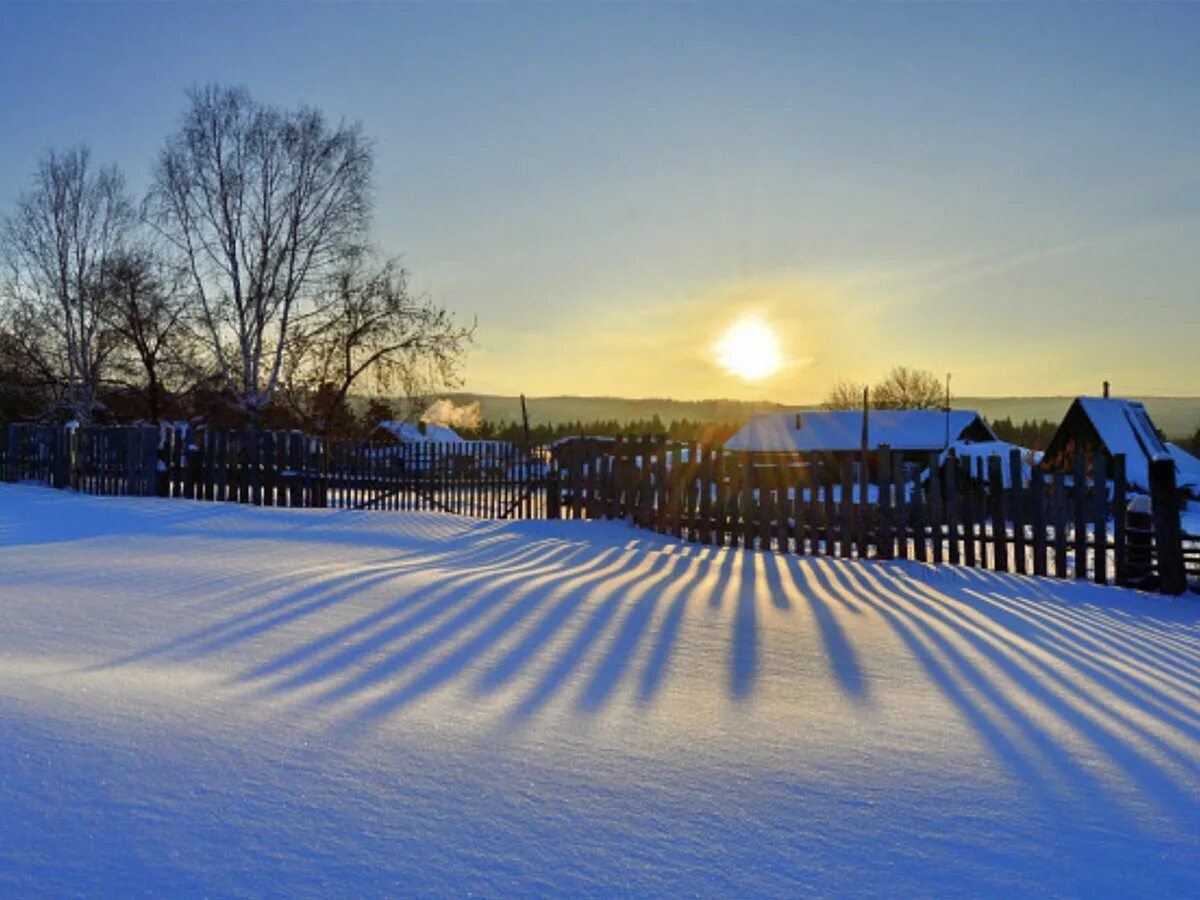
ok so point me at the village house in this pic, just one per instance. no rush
(1111, 426)
(839, 434)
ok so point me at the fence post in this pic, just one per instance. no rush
(936, 509)
(1037, 491)
(950, 499)
(1099, 520)
(1079, 483)
(1120, 512)
(62, 459)
(1058, 511)
(846, 509)
(884, 548)
(999, 515)
(1168, 534)
(1017, 508)
(296, 466)
(902, 509)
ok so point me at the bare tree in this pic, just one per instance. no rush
(262, 204)
(906, 388)
(369, 327)
(844, 394)
(146, 309)
(59, 246)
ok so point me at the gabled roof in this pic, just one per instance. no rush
(410, 433)
(841, 430)
(1123, 427)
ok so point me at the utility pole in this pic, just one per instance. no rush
(525, 423)
(947, 444)
(866, 428)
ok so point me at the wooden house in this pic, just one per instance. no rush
(1111, 426)
(838, 434)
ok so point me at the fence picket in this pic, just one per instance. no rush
(1100, 520)
(1120, 522)
(1037, 496)
(1079, 487)
(1016, 503)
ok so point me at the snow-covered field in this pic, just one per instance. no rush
(206, 699)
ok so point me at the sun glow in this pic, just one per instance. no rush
(750, 349)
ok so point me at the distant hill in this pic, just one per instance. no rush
(556, 410)
(1179, 417)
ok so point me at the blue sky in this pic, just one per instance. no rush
(1007, 192)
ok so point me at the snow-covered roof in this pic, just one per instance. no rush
(841, 430)
(1124, 427)
(410, 433)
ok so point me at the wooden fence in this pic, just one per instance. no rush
(1001, 515)
(277, 468)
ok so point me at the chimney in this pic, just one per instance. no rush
(1106, 390)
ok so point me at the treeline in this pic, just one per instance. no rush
(240, 287)
(1032, 433)
(676, 429)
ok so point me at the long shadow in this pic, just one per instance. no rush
(810, 583)
(1149, 651)
(633, 627)
(465, 609)
(668, 632)
(565, 604)
(468, 652)
(1033, 675)
(227, 632)
(951, 670)
(730, 590)
(743, 651)
(589, 632)
(1132, 680)
(294, 605)
(388, 618)
(1140, 770)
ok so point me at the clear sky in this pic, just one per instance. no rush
(1010, 193)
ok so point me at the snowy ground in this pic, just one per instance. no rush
(206, 699)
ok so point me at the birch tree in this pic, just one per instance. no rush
(261, 204)
(59, 246)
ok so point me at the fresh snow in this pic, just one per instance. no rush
(204, 699)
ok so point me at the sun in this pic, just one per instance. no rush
(750, 349)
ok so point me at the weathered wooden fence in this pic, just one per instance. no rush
(1001, 515)
(278, 468)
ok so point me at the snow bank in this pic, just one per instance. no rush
(205, 699)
